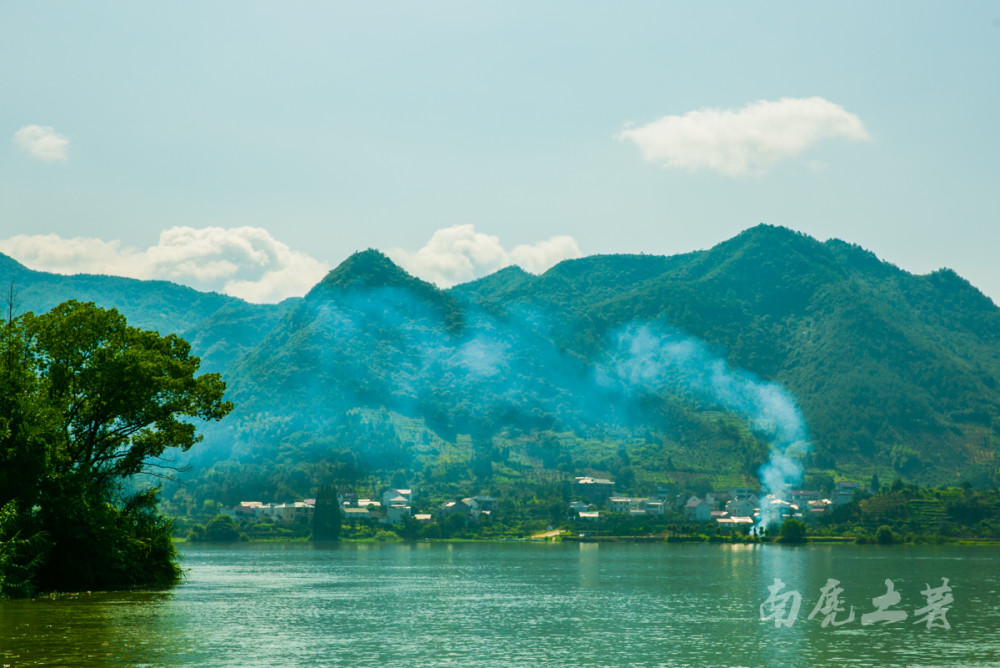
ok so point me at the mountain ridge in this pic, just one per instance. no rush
(893, 372)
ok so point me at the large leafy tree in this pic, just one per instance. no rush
(86, 403)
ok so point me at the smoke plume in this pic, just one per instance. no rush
(649, 360)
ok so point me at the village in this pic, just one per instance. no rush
(595, 499)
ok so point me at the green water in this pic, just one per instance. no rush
(513, 604)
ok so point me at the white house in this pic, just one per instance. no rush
(595, 489)
(248, 509)
(452, 507)
(729, 522)
(396, 513)
(352, 514)
(741, 507)
(579, 507)
(741, 493)
(819, 508)
(623, 504)
(651, 507)
(486, 503)
(394, 494)
(696, 509)
(843, 492)
(802, 497)
(397, 504)
(775, 506)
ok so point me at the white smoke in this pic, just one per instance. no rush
(649, 360)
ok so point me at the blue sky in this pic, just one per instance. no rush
(249, 147)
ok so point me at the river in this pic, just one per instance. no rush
(525, 604)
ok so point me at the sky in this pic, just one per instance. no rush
(249, 147)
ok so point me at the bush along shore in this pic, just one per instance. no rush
(899, 513)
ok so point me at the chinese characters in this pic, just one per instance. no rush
(782, 606)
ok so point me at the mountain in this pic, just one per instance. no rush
(644, 367)
(887, 367)
(221, 328)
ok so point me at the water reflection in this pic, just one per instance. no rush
(588, 565)
(86, 629)
(513, 604)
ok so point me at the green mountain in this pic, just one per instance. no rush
(220, 328)
(643, 367)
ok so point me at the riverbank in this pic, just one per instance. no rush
(567, 537)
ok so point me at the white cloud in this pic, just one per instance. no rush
(538, 257)
(742, 141)
(43, 143)
(245, 262)
(458, 254)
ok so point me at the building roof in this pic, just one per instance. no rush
(587, 480)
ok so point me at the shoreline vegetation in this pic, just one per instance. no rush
(86, 404)
(648, 540)
(898, 514)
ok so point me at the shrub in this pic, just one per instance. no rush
(884, 535)
(792, 531)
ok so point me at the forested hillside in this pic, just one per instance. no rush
(647, 368)
(221, 328)
(887, 367)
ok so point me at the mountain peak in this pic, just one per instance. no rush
(764, 245)
(368, 269)
(771, 235)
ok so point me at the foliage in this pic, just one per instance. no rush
(385, 536)
(19, 557)
(792, 531)
(920, 512)
(326, 514)
(884, 535)
(220, 529)
(87, 403)
(890, 370)
(490, 383)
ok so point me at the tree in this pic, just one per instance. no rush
(326, 515)
(884, 535)
(18, 556)
(222, 529)
(87, 403)
(120, 395)
(875, 485)
(792, 531)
